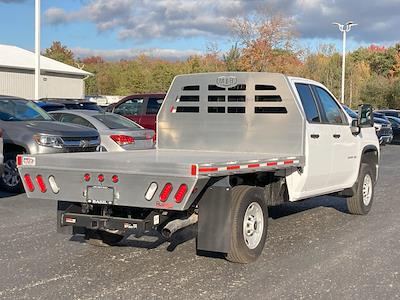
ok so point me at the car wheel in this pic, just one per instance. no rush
(10, 180)
(361, 202)
(249, 224)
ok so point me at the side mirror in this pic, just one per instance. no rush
(365, 116)
(355, 129)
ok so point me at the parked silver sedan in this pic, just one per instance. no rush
(117, 133)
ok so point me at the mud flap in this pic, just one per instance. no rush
(214, 225)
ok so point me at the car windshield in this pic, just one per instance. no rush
(21, 110)
(114, 121)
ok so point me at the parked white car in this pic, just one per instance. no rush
(117, 133)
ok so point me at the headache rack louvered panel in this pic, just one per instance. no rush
(252, 114)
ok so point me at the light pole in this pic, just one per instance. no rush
(344, 28)
(37, 48)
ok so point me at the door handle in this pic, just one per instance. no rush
(336, 136)
(314, 136)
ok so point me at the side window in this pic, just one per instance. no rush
(153, 105)
(56, 116)
(309, 105)
(333, 113)
(130, 107)
(70, 118)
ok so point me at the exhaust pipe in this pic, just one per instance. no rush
(177, 224)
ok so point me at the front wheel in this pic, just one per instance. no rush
(249, 224)
(361, 202)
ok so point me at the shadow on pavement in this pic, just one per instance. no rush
(291, 208)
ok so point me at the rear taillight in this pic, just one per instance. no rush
(29, 183)
(122, 139)
(115, 178)
(42, 185)
(166, 192)
(180, 194)
(154, 138)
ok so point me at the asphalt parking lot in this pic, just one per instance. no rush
(315, 249)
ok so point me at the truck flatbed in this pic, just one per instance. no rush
(167, 162)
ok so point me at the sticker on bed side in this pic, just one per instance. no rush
(28, 161)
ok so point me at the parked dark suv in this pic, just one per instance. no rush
(29, 129)
(141, 108)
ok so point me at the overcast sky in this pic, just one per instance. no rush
(178, 28)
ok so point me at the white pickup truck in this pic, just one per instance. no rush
(228, 146)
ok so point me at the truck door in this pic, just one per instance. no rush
(342, 141)
(318, 146)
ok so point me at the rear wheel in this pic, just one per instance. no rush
(102, 238)
(249, 224)
(10, 180)
(360, 203)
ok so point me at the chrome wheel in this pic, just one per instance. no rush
(253, 225)
(367, 189)
(10, 175)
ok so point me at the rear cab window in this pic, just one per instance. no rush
(308, 102)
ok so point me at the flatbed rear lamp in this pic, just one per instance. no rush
(180, 194)
(86, 177)
(166, 192)
(42, 185)
(115, 178)
(151, 191)
(53, 184)
(29, 183)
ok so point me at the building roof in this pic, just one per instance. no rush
(18, 58)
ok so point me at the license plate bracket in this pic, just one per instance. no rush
(100, 195)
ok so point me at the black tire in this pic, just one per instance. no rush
(242, 198)
(358, 204)
(101, 238)
(10, 180)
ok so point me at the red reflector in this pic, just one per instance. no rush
(180, 194)
(165, 192)
(233, 167)
(272, 163)
(253, 166)
(194, 170)
(115, 178)
(29, 183)
(205, 170)
(41, 183)
(288, 162)
(19, 160)
(121, 139)
(86, 177)
(100, 178)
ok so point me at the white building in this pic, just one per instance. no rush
(58, 80)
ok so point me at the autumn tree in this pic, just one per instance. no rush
(260, 34)
(60, 52)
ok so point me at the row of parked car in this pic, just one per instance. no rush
(71, 125)
(62, 126)
(386, 123)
